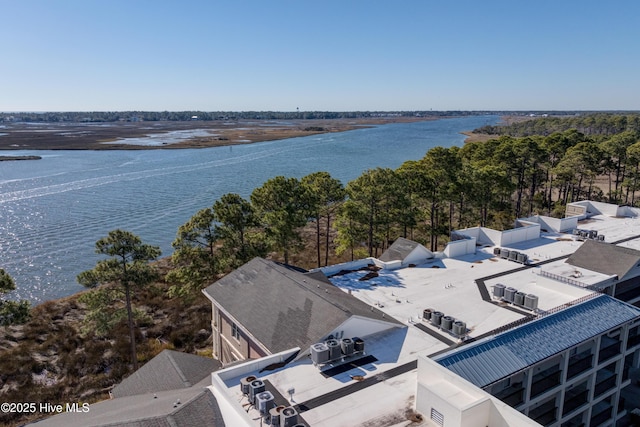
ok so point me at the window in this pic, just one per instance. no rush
(235, 331)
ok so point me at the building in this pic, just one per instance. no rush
(264, 308)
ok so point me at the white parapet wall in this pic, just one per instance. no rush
(558, 225)
(460, 247)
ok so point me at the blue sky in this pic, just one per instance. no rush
(77, 55)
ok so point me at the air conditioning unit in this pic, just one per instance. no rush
(274, 415)
(265, 402)
(319, 353)
(447, 323)
(244, 384)
(358, 344)
(459, 328)
(288, 417)
(334, 349)
(255, 387)
(347, 346)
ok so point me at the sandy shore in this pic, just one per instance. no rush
(114, 136)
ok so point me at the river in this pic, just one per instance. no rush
(53, 210)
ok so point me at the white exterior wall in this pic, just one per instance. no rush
(558, 225)
(522, 234)
(418, 255)
(460, 247)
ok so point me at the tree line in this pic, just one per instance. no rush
(595, 124)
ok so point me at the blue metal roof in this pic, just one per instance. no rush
(487, 361)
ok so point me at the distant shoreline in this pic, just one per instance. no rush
(92, 136)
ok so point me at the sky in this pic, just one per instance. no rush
(329, 55)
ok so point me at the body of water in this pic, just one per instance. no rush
(53, 210)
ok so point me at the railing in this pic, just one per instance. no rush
(601, 417)
(608, 352)
(564, 279)
(579, 363)
(575, 402)
(545, 383)
(542, 314)
(605, 385)
(512, 396)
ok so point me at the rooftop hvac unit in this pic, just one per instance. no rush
(244, 384)
(255, 387)
(576, 232)
(358, 344)
(447, 323)
(436, 318)
(319, 353)
(504, 253)
(288, 417)
(509, 293)
(426, 313)
(593, 234)
(601, 237)
(531, 301)
(347, 346)
(519, 298)
(522, 258)
(584, 234)
(274, 414)
(513, 255)
(459, 328)
(496, 251)
(334, 349)
(265, 402)
(498, 290)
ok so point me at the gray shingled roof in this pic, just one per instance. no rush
(283, 308)
(399, 250)
(605, 258)
(169, 370)
(197, 407)
(488, 361)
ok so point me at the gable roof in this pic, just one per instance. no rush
(399, 250)
(197, 407)
(283, 308)
(605, 258)
(169, 370)
(488, 361)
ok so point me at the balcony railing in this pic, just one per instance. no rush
(605, 385)
(601, 417)
(609, 351)
(543, 383)
(512, 396)
(579, 363)
(575, 401)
